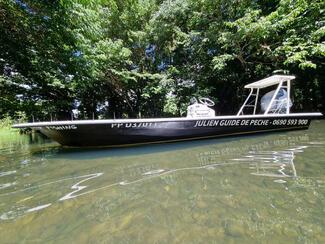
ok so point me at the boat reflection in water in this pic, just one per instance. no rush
(275, 164)
(254, 159)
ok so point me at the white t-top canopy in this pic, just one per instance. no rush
(270, 81)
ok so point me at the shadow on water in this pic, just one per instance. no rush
(87, 153)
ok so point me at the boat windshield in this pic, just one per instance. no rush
(280, 102)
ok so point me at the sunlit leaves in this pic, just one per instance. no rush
(221, 61)
(288, 36)
(148, 57)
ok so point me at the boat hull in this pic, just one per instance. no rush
(131, 132)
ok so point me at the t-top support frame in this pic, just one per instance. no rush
(282, 81)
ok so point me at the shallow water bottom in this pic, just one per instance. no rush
(265, 188)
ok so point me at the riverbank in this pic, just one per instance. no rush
(6, 123)
(7, 131)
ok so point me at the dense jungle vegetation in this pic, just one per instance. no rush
(147, 58)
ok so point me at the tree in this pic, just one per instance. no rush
(144, 58)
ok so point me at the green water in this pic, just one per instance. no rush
(265, 188)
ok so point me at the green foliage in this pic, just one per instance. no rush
(6, 122)
(143, 58)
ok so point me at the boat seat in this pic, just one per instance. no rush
(198, 110)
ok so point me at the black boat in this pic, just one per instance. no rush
(200, 122)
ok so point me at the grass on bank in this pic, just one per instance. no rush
(8, 135)
(6, 126)
(7, 121)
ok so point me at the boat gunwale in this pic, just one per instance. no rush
(148, 120)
